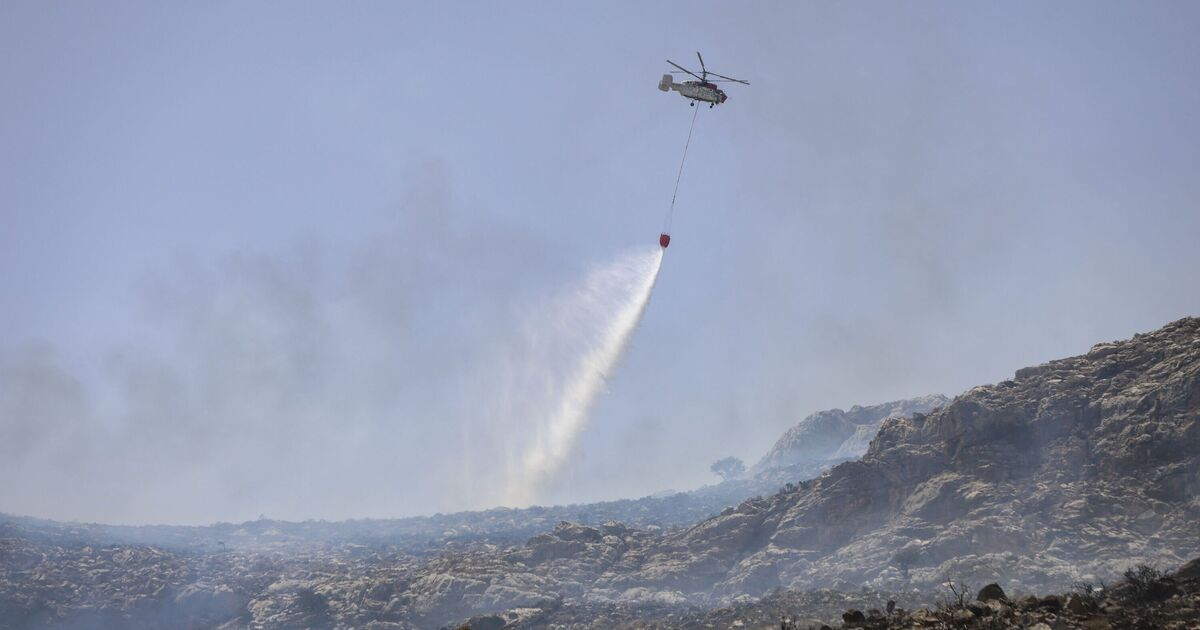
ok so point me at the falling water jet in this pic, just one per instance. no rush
(631, 281)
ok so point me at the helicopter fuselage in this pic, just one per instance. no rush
(696, 90)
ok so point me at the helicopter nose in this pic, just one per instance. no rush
(724, 97)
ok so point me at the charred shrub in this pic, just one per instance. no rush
(958, 596)
(1144, 584)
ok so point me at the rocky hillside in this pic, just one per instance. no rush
(1073, 470)
(839, 435)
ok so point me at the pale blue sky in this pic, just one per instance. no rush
(907, 199)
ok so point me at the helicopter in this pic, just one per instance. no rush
(705, 90)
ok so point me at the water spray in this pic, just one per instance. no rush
(619, 292)
(614, 298)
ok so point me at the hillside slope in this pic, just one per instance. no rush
(1075, 468)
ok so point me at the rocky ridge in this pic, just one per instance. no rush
(837, 435)
(1072, 470)
(418, 535)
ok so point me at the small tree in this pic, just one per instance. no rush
(728, 468)
(906, 558)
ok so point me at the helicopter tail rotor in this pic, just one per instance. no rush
(665, 83)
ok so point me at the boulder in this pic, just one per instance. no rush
(991, 592)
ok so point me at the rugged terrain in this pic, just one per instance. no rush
(1072, 471)
(1141, 599)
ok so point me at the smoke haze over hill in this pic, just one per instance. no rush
(275, 262)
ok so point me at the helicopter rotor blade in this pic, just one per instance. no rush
(685, 69)
(730, 78)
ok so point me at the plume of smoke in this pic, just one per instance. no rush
(600, 314)
(455, 377)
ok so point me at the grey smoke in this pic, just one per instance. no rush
(297, 384)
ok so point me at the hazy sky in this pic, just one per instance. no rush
(278, 257)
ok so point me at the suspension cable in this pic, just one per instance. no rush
(671, 211)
